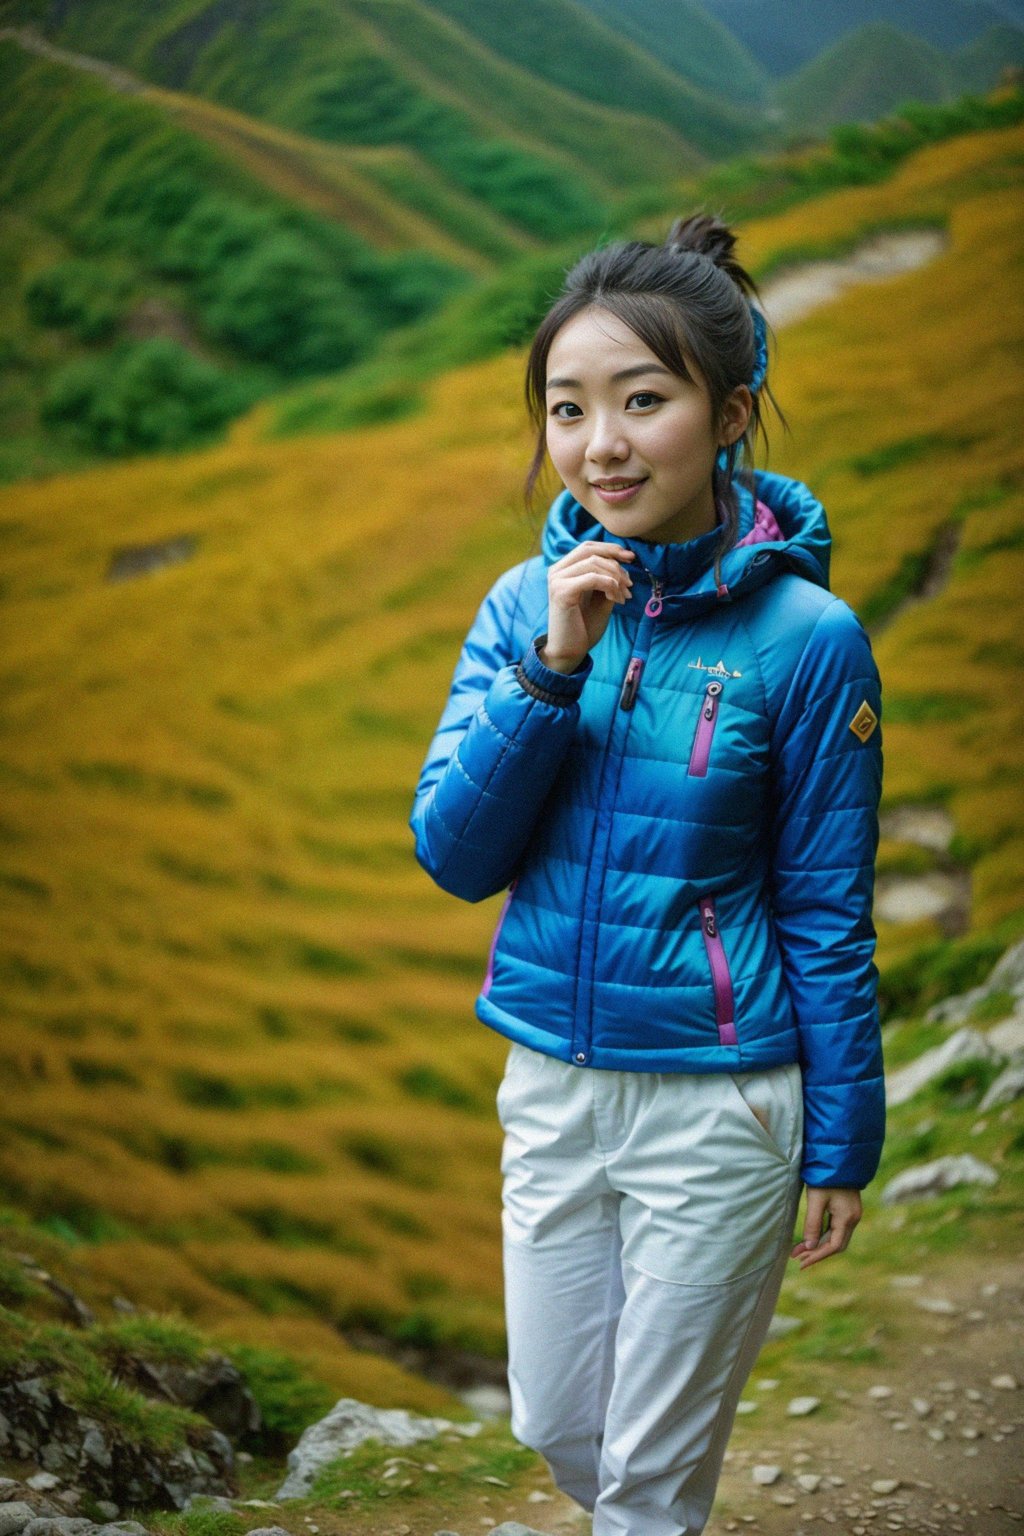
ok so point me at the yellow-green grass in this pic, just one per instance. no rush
(239, 1052)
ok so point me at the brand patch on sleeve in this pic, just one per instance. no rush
(864, 721)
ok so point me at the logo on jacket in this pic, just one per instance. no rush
(718, 670)
(864, 721)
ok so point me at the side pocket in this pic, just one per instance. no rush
(489, 977)
(721, 978)
(773, 1097)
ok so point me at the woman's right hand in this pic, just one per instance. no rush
(583, 588)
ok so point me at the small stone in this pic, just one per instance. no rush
(42, 1481)
(921, 1406)
(799, 1407)
(969, 1432)
(973, 1395)
(13, 1516)
(767, 1384)
(810, 1482)
(1005, 1383)
(945, 1386)
(885, 1485)
(538, 1496)
(936, 1434)
(783, 1498)
(941, 1306)
(746, 1406)
(879, 1392)
(108, 1509)
(764, 1474)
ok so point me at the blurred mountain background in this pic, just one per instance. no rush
(268, 268)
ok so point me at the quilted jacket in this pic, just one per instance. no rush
(687, 824)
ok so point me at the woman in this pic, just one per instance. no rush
(663, 737)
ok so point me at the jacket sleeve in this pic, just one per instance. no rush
(500, 741)
(827, 758)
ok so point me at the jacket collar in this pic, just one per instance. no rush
(782, 526)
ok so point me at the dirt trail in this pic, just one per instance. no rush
(798, 290)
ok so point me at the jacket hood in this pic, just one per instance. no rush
(782, 526)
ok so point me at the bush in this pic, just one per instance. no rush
(142, 395)
(81, 295)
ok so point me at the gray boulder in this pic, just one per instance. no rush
(964, 1045)
(1009, 1085)
(349, 1424)
(932, 1178)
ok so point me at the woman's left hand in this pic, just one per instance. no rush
(844, 1211)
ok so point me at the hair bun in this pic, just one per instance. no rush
(706, 235)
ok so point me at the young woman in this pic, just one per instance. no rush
(663, 737)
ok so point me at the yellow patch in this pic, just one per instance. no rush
(864, 721)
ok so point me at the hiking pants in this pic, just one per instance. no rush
(647, 1221)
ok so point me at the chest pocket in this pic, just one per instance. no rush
(707, 720)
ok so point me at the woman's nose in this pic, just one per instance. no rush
(606, 442)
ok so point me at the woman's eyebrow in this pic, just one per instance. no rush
(623, 373)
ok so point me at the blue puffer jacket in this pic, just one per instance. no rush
(687, 824)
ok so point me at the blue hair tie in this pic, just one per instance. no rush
(760, 350)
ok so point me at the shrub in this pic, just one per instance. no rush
(82, 295)
(141, 396)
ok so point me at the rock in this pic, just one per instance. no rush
(764, 1474)
(14, 1516)
(1008, 1035)
(799, 1407)
(885, 1485)
(538, 1496)
(921, 1406)
(1009, 1085)
(57, 1525)
(213, 1387)
(1005, 1383)
(940, 1305)
(781, 1325)
(348, 1424)
(810, 1482)
(490, 1402)
(1008, 973)
(107, 1509)
(964, 1045)
(934, 1177)
(515, 1528)
(269, 1530)
(879, 1392)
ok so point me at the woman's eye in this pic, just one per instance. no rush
(644, 398)
(566, 410)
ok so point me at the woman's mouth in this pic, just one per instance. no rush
(615, 492)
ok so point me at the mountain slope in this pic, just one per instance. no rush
(863, 76)
(786, 34)
(686, 37)
(403, 73)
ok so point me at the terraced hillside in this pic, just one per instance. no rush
(241, 1069)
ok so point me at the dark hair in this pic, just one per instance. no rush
(689, 295)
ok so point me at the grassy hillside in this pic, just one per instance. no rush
(686, 37)
(863, 76)
(623, 63)
(242, 1070)
(402, 73)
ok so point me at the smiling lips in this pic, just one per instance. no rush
(616, 491)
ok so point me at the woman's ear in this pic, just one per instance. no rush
(735, 416)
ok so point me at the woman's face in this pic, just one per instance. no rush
(634, 443)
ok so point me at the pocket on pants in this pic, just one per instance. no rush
(772, 1103)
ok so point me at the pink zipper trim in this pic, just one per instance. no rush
(631, 682)
(494, 941)
(705, 730)
(720, 977)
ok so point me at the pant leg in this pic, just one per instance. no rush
(562, 1262)
(708, 1167)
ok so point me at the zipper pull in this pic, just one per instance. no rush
(709, 921)
(631, 683)
(654, 605)
(711, 700)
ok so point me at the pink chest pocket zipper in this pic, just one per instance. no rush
(706, 723)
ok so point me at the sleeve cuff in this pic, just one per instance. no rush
(565, 687)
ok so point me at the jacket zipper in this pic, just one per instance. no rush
(705, 730)
(488, 979)
(721, 980)
(631, 681)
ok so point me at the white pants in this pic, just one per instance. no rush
(647, 1221)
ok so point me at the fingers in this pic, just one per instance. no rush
(571, 589)
(820, 1241)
